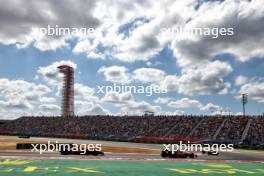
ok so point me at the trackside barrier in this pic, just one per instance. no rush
(28, 134)
(167, 139)
(5, 132)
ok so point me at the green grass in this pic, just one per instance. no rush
(124, 168)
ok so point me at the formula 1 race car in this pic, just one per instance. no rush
(177, 154)
(24, 136)
(211, 153)
(94, 153)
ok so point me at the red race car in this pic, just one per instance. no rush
(177, 154)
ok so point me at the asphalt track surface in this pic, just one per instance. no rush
(236, 155)
(113, 156)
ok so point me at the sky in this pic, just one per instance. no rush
(133, 43)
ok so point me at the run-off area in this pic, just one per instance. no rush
(14, 166)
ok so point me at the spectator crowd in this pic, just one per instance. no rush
(204, 127)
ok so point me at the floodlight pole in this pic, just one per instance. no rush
(244, 102)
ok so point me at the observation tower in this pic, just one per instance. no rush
(67, 105)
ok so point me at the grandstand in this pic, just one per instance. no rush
(233, 129)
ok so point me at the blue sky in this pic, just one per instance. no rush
(202, 75)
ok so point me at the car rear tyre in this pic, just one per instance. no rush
(164, 154)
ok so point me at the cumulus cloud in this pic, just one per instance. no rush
(128, 31)
(131, 31)
(86, 102)
(205, 79)
(18, 28)
(83, 92)
(19, 96)
(89, 47)
(47, 100)
(245, 17)
(184, 103)
(92, 109)
(147, 75)
(120, 74)
(200, 80)
(49, 107)
(161, 100)
(145, 41)
(117, 98)
(16, 104)
(115, 74)
(211, 107)
(181, 103)
(143, 38)
(126, 103)
(15, 90)
(240, 80)
(255, 91)
(138, 108)
(99, 110)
